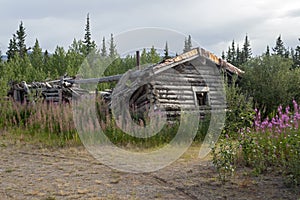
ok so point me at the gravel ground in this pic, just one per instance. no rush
(31, 172)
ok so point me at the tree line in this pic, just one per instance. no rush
(270, 78)
(239, 56)
(34, 64)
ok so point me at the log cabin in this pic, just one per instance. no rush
(192, 81)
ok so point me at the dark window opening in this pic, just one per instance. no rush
(202, 98)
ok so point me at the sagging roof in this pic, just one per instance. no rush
(192, 54)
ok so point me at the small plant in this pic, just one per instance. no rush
(224, 159)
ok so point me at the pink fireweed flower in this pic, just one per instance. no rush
(280, 110)
(270, 125)
(297, 116)
(295, 122)
(274, 121)
(287, 110)
(285, 118)
(296, 108)
(264, 124)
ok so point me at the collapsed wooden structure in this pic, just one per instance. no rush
(190, 81)
(56, 91)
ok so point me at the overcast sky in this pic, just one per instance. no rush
(212, 23)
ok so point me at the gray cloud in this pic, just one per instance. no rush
(294, 13)
(214, 24)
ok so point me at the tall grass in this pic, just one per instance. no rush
(55, 121)
(40, 119)
(163, 137)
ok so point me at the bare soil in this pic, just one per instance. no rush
(30, 171)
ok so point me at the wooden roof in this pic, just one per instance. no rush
(193, 54)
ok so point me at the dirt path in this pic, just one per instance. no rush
(28, 172)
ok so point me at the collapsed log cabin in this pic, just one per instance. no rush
(192, 81)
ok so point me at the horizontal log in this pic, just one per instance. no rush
(177, 101)
(174, 92)
(177, 78)
(172, 87)
(173, 106)
(52, 98)
(174, 96)
(216, 102)
(166, 84)
(177, 75)
(96, 80)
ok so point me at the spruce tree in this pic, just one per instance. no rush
(74, 57)
(12, 48)
(279, 48)
(103, 52)
(246, 52)
(112, 47)
(267, 51)
(185, 48)
(187, 44)
(153, 56)
(231, 54)
(89, 44)
(144, 59)
(223, 55)
(296, 56)
(58, 61)
(20, 38)
(36, 57)
(47, 65)
(37, 61)
(239, 56)
(166, 51)
(233, 51)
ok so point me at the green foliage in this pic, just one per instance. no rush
(150, 57)
(231, 54)
(17, 44)
(58, 64)
(270, 145)
(270, 81)
(88, 44)
(20, 37)
(187, 44)
(166, 52)
(296, 56)
(236, 56)
(280, 49)
(246, 52)
(112, 48)
(6, 73)
(267, 51)
(224, 156)
(103, 51)
(239, 109)
(262, 151)
(12, 48)
(37, 61)
(74, 57)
